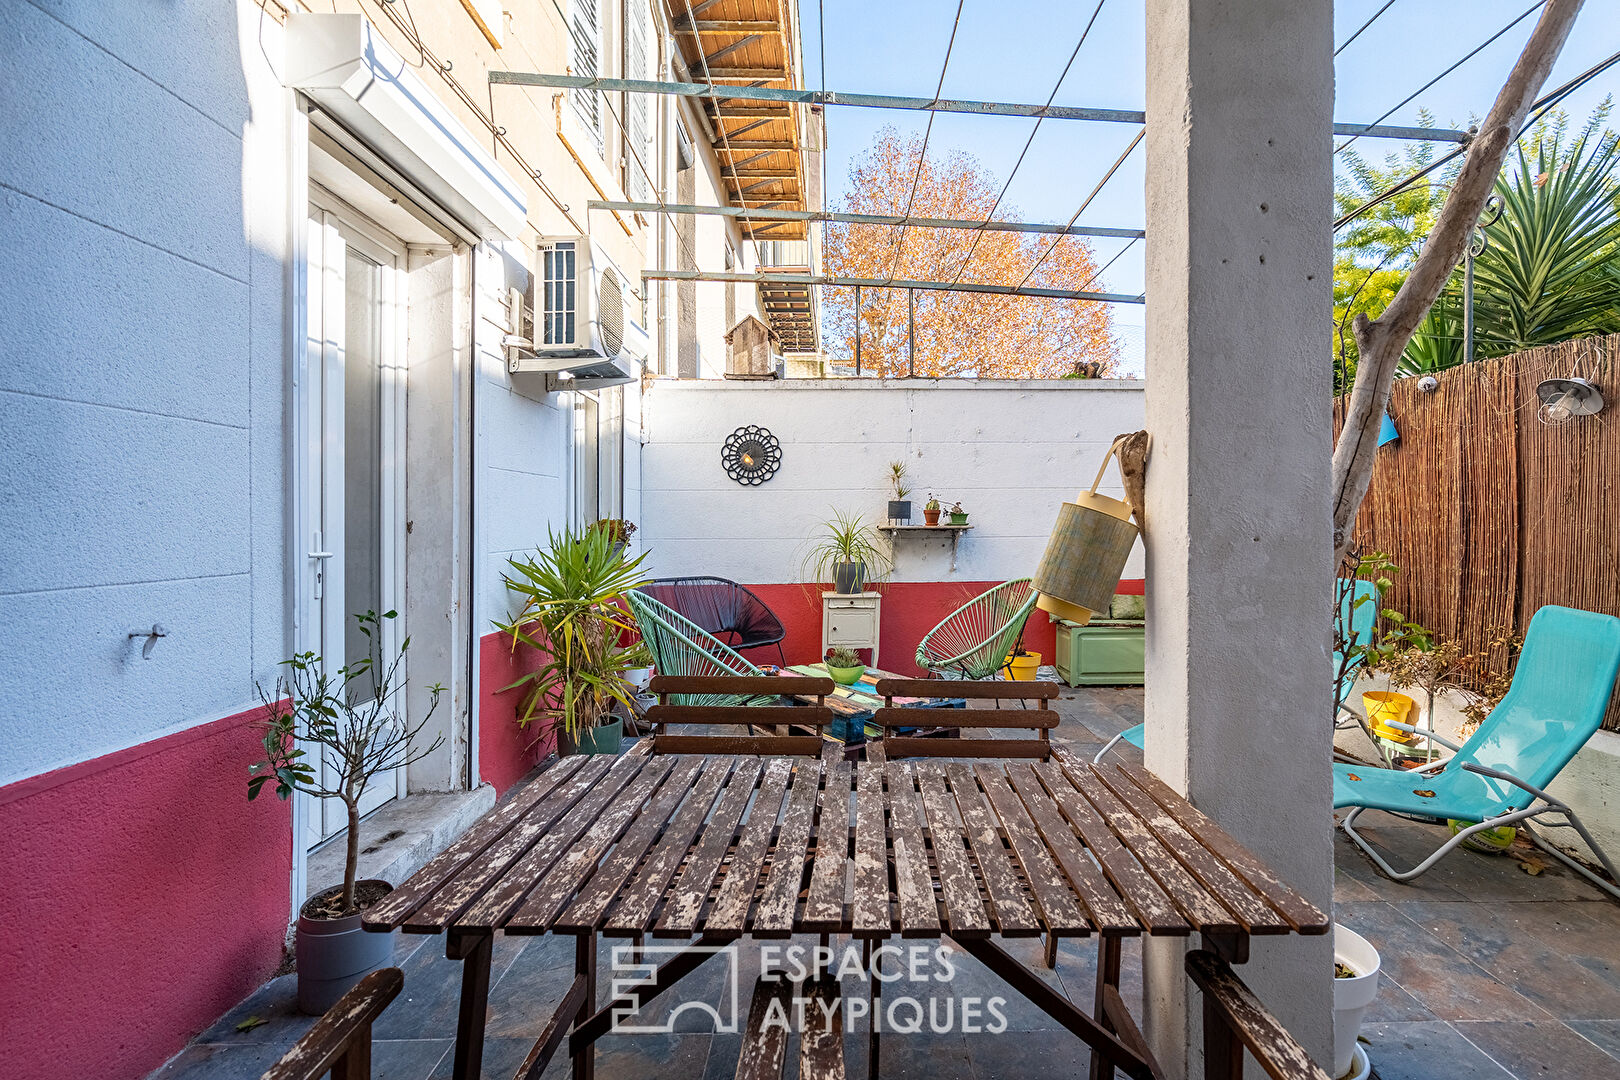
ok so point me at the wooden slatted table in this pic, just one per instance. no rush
(711, 849)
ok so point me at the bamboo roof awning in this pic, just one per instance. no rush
(749, 43)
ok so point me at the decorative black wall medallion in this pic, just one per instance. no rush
(751, 455)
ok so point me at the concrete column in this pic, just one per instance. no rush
(1239, 558)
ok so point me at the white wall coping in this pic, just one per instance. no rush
(761, 385)
(344, 65)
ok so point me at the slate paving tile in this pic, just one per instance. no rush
(1488, 936)
(1586, 934)
(1077, 967)
(1431, 1050)
(1546, 1048)
(1394, 1005)
(1445, 982)
(276, 1003)
(430, 1000)
(408, 1059)
(1399, 850)
(912, 1057)
(1028, 1054)
(1604, 1033)
(219, 1061)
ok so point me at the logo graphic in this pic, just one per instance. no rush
(635, 977)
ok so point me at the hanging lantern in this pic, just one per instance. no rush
(1084, 558)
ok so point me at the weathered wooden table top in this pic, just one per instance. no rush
(724, 847)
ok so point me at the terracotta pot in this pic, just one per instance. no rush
(930, 517)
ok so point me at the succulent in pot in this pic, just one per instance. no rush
(329, 734)
(845, 667)
(931, 510)
(958, 515)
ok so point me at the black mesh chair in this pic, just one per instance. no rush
(724, 608)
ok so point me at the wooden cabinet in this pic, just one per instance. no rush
(852, 620)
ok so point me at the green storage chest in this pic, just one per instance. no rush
(1102, 653)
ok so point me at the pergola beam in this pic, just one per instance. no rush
(836, 280)
(883, 101)
(864, 219)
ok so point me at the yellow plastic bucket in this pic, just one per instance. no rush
(1024, 666)
(1384, 706)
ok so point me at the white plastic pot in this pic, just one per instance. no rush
(1351, 997)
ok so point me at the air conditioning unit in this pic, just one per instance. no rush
(573, 325)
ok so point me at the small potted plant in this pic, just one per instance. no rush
(848, 554)
(899, 506)
(350, 718)
(573, 616)
(958, 515)
(931, 510)
(619, 531)
(844, 666)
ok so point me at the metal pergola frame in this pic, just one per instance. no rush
(839, 281)
(763, 214)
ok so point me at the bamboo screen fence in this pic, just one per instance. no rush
(1490, 513)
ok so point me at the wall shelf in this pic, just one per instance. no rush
(954, 531)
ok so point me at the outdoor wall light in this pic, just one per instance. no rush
(1086, 554)
(1428, 384)
(1564, 399)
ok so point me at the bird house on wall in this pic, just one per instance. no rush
(748, 350)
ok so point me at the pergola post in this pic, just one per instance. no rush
(1238, 539)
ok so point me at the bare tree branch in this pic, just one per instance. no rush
(1382, 341)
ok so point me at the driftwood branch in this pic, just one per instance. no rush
(1383, 340)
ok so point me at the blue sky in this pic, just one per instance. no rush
(1013, 50)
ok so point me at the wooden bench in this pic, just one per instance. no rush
(821, 1043)
(772, 719)
(1235, 1019)
(340, 1041)
(950, 722)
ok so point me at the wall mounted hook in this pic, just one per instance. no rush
(151, 637)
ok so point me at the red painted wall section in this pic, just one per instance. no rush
(144, 896)
(506, 752)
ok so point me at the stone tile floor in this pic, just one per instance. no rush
(1489, 973)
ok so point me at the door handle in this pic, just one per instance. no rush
(320, 554)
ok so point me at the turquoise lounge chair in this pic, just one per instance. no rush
(681, 647)
(1560, 691)
(973, 641)
(1360, 616)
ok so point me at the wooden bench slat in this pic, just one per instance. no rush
(740, 745)
(964, 906)
(1305, 916)
(824, 904)
(764, 1046)
(821, 1044)
(685, 902)
(966, 718)
(773, 915)
(751, 715)
(1134, 884)
(491, 909)
(1194, 901)
(458, 893)
(1060, 910)
(782, 685)
(965, 688)
(899, 746)
(1232, 1005)
(1010, 906)
(345, 1029)
(1253, 912)
(729, 915)
(392, 909)
(634, 910)
(591, 904)
(872, 915)
(562, 882)
(1107, 910)
(919, 911)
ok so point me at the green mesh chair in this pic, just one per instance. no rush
(681, 647)
(973, 641)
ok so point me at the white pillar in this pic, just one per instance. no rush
(1239, 555)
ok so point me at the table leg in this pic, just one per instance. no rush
(585, 967)
(473, 950)
(1223, 1050)
(1108, 964)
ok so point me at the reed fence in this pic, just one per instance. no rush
(1491, 513)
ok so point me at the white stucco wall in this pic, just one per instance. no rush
(140, 372)
(1011, 451)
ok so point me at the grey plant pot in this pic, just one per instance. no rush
(849, 577)
(602, 739)
(333, 955)
(900, 511)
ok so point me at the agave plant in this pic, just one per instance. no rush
(573, 615)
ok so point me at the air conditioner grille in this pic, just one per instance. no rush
(557, 294)
(612, 313)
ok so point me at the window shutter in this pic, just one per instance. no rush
(638, 121)
(586, 30)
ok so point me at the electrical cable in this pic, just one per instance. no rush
(1477, 49)
(978, 233)
(928, 131)
(1387, 5)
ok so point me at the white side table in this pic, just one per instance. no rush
(851, 620)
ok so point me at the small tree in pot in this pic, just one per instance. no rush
(900, 505)
(351, 719)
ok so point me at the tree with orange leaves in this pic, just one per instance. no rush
(957, 333)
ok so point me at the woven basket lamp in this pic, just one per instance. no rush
(1086, 555)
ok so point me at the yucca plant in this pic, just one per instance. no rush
(847, 553)
(573, 615)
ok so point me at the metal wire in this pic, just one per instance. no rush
(1387, 5)
(1109, 175)
(968, 258)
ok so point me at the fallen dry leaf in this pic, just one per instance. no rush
(250, 1023)
(1424, 792)
(1352, 776)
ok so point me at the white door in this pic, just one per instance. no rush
(355, 397)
